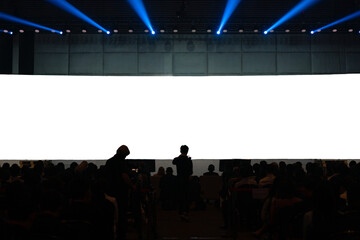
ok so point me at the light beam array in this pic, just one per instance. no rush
(303, 5)
(11, 18)
(139, 8)
(347, 18)
(64, 5)
(229, 9)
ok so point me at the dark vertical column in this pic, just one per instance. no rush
(26, 53)
(6, 53)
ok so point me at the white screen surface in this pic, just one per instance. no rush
(86, 117)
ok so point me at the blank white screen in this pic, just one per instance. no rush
(86, 117)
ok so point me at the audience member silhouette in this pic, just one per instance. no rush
(168, 189)
(160, 172)
(184, 169)
(211, 170)
(118, 185)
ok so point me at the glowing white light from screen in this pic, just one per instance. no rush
(73, 117)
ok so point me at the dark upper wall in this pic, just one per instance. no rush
(5, 54)
(175, 54)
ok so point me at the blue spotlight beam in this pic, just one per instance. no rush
(304, 4)
(6, 31)
(229, 9)
(64, 5)
(11, 18)
(139, 8)
(347, 18)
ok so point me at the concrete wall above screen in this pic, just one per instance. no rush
(196, 54)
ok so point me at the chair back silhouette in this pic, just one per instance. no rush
(211, 186)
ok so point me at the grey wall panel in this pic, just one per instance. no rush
(196, 54)
(259, 43)
(353, 62)
(226, 43)
(155, 43)
(291, 63)
(293, 43)
(224, 63)
(190, 64)
(120, 43)
(352, 43)
(84, 43)
(325, 42)
(189, 43)
(155, 63)
(120, 63)
(51, 63)
(86, 64)
(259, 63)
(325, 62)
(51, 43)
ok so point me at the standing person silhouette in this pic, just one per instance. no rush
(184, 169)
(118, 186)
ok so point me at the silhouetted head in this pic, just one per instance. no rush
(161, 171)
(123, 151)
(184, 149)
(211, 168)
(169, 170)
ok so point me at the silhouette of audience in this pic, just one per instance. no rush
(211, 170)
(184, 169)
(83, 201)
(168, 187)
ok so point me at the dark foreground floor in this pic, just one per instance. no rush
(202, 225)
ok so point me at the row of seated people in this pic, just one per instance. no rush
(319, 203)
(201, 188)
(51, 202)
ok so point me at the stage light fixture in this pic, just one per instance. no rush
(116, 31)
(193, 30)
(21, 31)
(162, 30)
(272, 30)
(146, 30)
(37, 30)
(241, 30)
(11, 18)
(287, 30)
(344, 19)
(334, 30)
(7, 31)
(175, 30)
(99, 31)
(350, 30)
(303, 30)
(68, 31)
(83, 31)
(209, 31)
(139, 8)
(265, 32)
(64, 5)
(256, 30)
(300, 7)
(229, 9)
(225, 30)
(218, 32)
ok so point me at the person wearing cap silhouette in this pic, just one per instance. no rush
(118, 186)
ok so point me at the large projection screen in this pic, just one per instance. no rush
(248, 117)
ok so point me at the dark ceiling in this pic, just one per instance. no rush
(181, 14)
